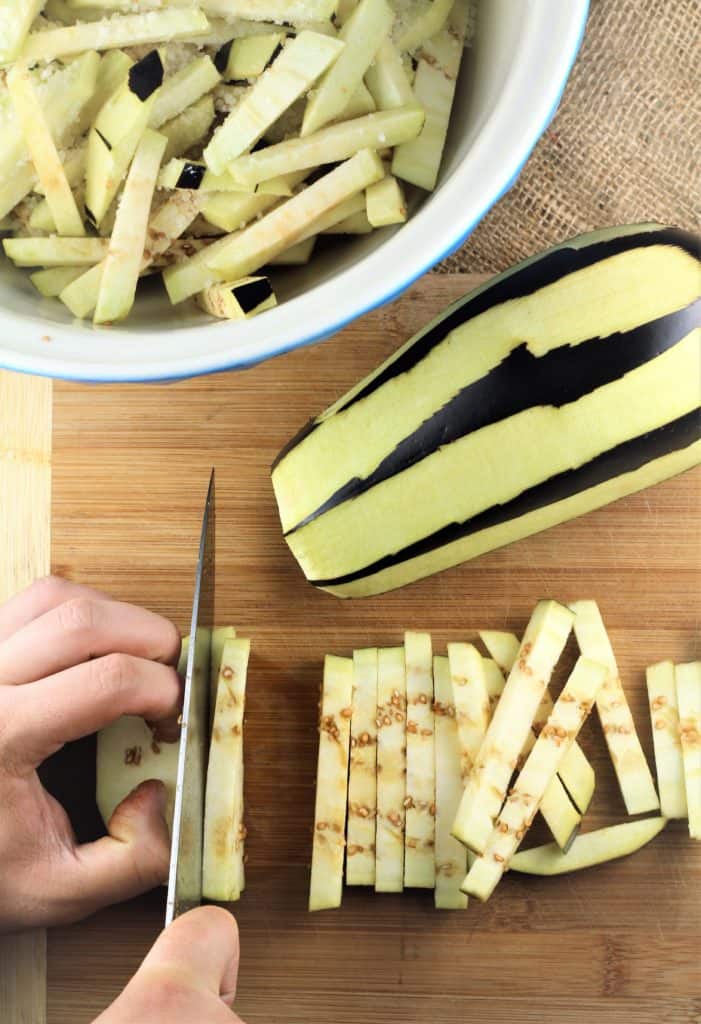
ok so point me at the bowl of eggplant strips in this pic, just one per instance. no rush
(172, 172)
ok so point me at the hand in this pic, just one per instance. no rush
(189, 977)
(71, 662)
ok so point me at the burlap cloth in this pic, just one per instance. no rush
(625, 145)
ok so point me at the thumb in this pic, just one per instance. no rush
(133, 858)
(187, 977)
(201, 948)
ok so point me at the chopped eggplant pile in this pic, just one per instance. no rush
(432, 769)
(211, 141)
(565, 383)
(128, 754)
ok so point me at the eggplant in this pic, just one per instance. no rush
(362, 774)
(223, 871)
(528, 791)
(361, 36)
(617, 723)
(120, 274)
(17, 17)
(420, 821)
(666, 738)
(240, 60)
(113, 32)
(563, 384)
(451, 856)
(391, 770)
(243, 253)
(688, 683)
(117, 132)
(590, 849)
(238, 300)
(329, 847)
(290, 76)
(510, 725)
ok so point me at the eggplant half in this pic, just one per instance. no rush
(567, 382)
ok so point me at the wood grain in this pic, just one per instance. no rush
(25, 480)
(25, 543)
(616, 944)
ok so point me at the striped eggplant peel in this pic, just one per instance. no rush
(565, 383)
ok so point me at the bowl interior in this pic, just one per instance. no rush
(351, 275)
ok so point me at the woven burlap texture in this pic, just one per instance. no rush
(625, 145)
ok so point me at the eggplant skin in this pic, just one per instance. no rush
(560, 377)
(626, 458)
(146, 76)
(521, 280)
(569, 381)
(252, 294)
(191, 176)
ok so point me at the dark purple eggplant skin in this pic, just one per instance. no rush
(252, 294)
(520, 382)
(147, 75)
(191, 176)
(624, 458)
(525, 280)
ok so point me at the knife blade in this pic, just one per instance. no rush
(185, 876)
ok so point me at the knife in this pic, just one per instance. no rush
(185, 876)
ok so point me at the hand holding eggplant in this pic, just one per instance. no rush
(71, 661)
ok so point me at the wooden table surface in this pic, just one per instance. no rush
(619, 943)
(25, 553)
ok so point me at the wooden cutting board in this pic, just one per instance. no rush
(616, 944)
(25, 553)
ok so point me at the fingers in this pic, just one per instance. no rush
(132, 859)
(201, 946)
(82, 628)
(39, 719)
(39, 598)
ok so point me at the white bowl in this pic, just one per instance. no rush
(510, 86)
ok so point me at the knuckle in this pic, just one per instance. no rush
(172, 640)
(115, 673)
(49, 589)
(15, 753)
(77, 615)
